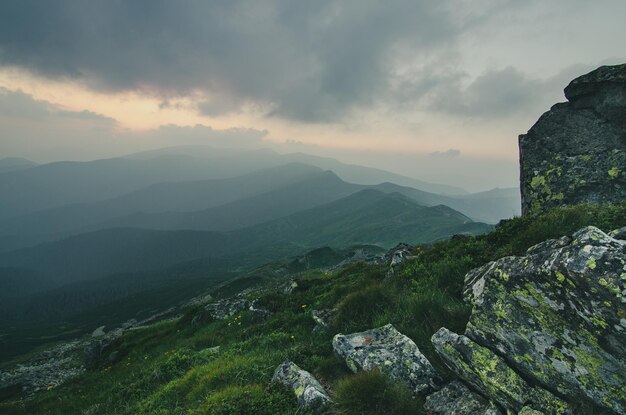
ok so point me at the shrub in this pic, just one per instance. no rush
(358, 310)
(374, 393)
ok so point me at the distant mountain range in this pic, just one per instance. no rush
(110, 239)
(365, 217)
(15, 163)
(214, 204)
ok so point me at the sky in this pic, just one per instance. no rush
(437, 90)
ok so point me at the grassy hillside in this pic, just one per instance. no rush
(171, 368)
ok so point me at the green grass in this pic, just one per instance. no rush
(166, 369)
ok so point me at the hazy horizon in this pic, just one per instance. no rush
(438, 92)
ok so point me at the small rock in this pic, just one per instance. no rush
(226, 308)
(456, 399)
(290, 287)
(322, 318)
(258, 313)
(309, 392)
(389, 351)
(489, 374)
(210, 351)
(99, 332)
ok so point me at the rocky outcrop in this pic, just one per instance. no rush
(456, 399)
(576, 152)
(391, 352)
(310, 393)
(489, 373)
(229, 307)
(550, 323)
(558, 314)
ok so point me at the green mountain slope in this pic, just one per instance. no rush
(368, 216)
(175, 367)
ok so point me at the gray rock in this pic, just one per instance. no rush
(99, 332)
(322, 318)
(222, 309)
(97, 348)
(45, 370)
(576, 152)
(396, 256)
(290, 287)
(258, 313)
(309, 392)
(490, 374)
(389, 351)
(619, 233)
(456, 399)
(558, 315)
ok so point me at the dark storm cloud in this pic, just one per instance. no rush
(308, 61)
(497, 93)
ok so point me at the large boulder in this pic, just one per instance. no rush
(456, 399)
(309, 392)
(391, 352)
(558, 315)
(490, 374)
(576, 152)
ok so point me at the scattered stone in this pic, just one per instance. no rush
(47, 370)
(99, 332)
(309, 392)
(456, 399)
(322, 318)
(576, 152)
(489, 374)
(389, 351)
(97, 348)
(290, 287)
(227, 308)
(396, 256)
(558, 316)
(210, 351)
(258, 313)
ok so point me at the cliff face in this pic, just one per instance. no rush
(576, 152)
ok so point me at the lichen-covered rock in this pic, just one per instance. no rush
(322, 318)
(389, 351)
(396, 256)
(619, 233)
(309, 392)
(576, 152)
(529, 411)
(558, 314)
(490, 374)
(456, 399)
(228, 307)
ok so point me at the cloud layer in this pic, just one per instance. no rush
(301, 60)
